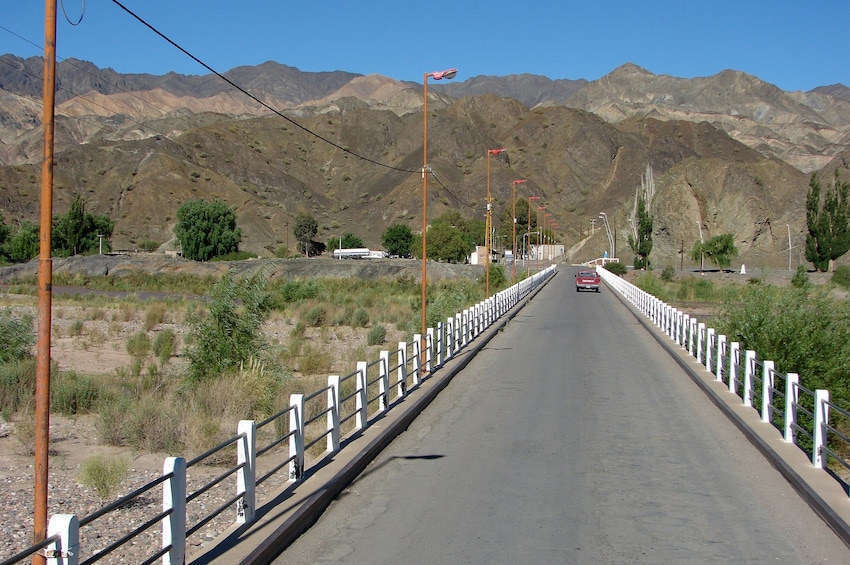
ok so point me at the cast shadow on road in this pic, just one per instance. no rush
(373, 468)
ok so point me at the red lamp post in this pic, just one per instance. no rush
(488, 224)
(447, 74)
(513, 186)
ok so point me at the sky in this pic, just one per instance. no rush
(793, 44)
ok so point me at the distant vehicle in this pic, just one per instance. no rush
(352, 253)
(587, 280)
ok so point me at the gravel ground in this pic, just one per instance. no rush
(67, 496)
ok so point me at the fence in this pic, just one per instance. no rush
(346, 405)
(804, 417)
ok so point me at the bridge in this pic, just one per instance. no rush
(572, 427)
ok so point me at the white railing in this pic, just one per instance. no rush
(804, 417)
(345, 406)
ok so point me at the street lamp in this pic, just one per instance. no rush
(604, 217)
(528, 243)
(539, 235)
(488, 241)
(439, 75)
(701, 244)
(546, 222)
(513, 186)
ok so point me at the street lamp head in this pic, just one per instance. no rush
(495, 151)
(519, 181)
(439, 75)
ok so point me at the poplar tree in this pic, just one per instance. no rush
(827, 219)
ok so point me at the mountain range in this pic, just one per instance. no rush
(729, 152)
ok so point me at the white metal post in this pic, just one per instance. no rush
(749, 369)
(792, 397)
(721, 349)
(66, 551)
(174, 503)
(362, 400)
(296, 437)
(429, 351)
(700, 329)
(402, 368)
(709, 346)
(246, 477)
(734, 360)
(821, 420)
(767, 381)
(417, 358)
(383, 381)
(333, 414)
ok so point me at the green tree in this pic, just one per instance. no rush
(827, 221)
(24, 244)
(79, 231)
(347, 241)
(720, 250)
(207, 229)
(305, 230)
(231, 332)
(446, 243)
(642, 245)
(397, 240)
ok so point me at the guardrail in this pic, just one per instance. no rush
(804, 417)
(347, 405)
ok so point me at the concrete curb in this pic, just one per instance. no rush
(312, 508)
(812, 495)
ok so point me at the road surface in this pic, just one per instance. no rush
(573, 438)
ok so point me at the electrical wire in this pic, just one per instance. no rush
(257, 100)
(82, 13)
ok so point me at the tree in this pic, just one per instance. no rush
(305, 230)
(827, 221)
(397, 240)
(719, 250)
(347, 241)
(207, 229)
(642, 244)
(79, 231)
(446, 243)
(24, 245)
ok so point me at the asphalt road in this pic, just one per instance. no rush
(573, 438)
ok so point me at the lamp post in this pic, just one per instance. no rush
(546, 223)
(528, 265)
(701, 243)
(488, 240)
(789, 245)
(604, 217)
(513, 186)
(539, 235)
(439, 75)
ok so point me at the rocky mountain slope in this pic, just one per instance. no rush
(730, 152)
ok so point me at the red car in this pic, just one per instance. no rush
(587, 280)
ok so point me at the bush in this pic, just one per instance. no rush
(841, 276)
(618, 269)
(360, 319)
(668, 273)
(164, 345)
(16, 337)
(801, 278)
(103, 474)
(17, 386)
(72, 393)
(316, 316)
(377, 335)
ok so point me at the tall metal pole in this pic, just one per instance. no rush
(789, 246)
(45, 281)
(514, 250)
(488, 224)
(424, 209)
(448, 74)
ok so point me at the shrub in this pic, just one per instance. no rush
(17, 385)
(164, 345)
(668, 273)
(801, 278)
(72, 393)
(841, 276)
(231, 331)
(314, 360)
(103, 474)
(16, 337)
(316, 316)
(360, 319)
(618, 269)
(376, 335)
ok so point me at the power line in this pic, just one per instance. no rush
(255, 99)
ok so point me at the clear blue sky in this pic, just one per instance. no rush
(794, 44)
